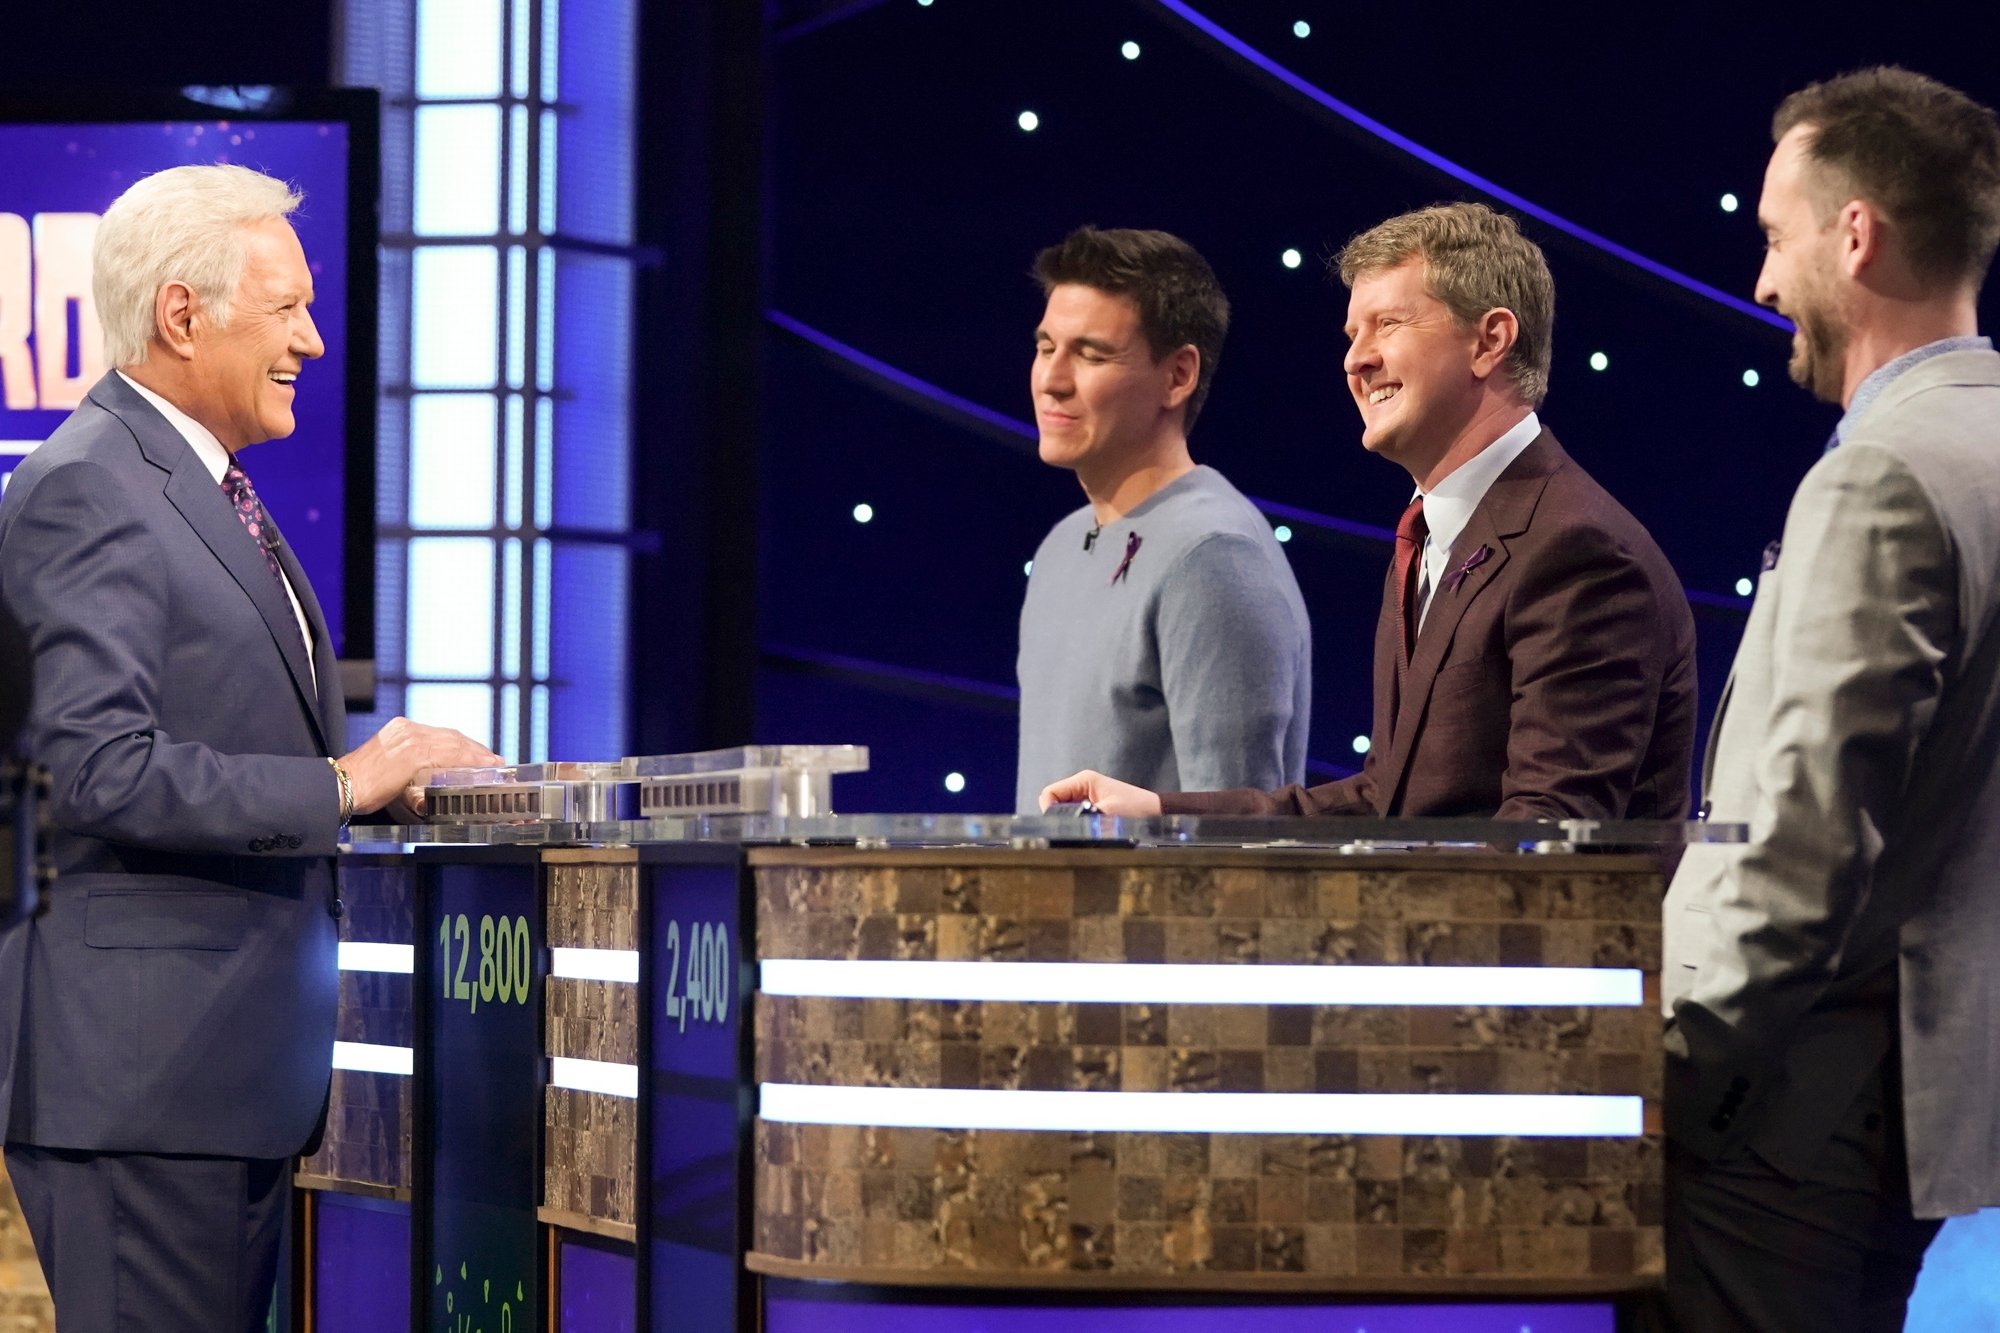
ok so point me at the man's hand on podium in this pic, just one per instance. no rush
(1106, 795)
(394, 764)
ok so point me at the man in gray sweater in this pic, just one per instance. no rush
(1163, 638)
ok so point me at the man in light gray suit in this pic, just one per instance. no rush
(167, 1016)
(1833, 986)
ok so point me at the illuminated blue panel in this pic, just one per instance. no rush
(545, 319)
(587, 677)
(455, 316)
(545, 462)
(517, 315)
(595, 137)
(514, 443)
(552, 21)
(539, 642)
(458, 48)
(592, 419)
(517, 74)
(510, 607)
(452, 457)
(458, 171)
(517, 152)
(451, 607)
(546, 214)
(510, 724)
(467, 708)
(392, 366)
(508, 457)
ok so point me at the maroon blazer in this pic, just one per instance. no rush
(1556, 680)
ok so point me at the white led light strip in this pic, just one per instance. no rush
(1528, 1115)
(595, 964)
(1200, 983)
(594, 1076)
(377, 957)
(368, 1058)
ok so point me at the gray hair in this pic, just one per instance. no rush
(184, 224)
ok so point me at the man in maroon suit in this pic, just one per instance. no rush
(1535, 653)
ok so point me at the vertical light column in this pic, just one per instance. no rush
(503, 513)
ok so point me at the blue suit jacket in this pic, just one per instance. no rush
(175, 994)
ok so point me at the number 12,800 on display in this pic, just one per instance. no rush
(504, 970)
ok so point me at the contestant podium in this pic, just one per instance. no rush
(786, 1072)
(1470, 1107)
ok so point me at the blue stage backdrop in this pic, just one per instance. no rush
(922, 153)
(58, 180)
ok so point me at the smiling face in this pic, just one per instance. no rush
(241, 376)
(1102, 400)
(1409, 366)
(1799, 277)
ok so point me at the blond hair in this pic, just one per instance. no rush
(1475, 260)
(184, 224)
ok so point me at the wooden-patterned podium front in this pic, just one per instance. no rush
(1230, 1208)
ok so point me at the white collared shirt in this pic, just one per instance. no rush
(216, 459)
(1448, 506)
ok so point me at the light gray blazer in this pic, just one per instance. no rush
(1859, 737)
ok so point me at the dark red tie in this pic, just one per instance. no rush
(1410, 533)
(243, 499)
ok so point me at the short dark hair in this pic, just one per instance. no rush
(1180, 302)
(1926, 154)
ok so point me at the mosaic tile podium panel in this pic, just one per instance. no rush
(1235, 1208)
(366, 1147)
(590, 1139)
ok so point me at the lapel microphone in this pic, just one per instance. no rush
(1090, 538)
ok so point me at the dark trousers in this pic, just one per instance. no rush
(1753, 1249)
(133, 1243)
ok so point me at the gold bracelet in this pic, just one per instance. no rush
(346, 792)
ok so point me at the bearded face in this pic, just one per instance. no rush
(1819, 342)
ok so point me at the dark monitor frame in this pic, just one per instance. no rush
(359, 109)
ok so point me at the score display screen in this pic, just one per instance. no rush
(59, 179)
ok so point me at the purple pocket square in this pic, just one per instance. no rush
(1472, 562)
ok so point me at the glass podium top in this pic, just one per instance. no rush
(877, 832)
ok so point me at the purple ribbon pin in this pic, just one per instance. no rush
(1131, 549)
(1472, 562)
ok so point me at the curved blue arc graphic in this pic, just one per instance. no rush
(1208, 27)
(902, 379)
(951, 405)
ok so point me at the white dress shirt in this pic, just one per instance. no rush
(216, 459)
(1448, 506)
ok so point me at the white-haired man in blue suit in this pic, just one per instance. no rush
(168, 1015)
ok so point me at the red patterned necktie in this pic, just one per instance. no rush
(243, 499)
(1410, 533)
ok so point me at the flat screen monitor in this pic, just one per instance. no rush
(63, 159)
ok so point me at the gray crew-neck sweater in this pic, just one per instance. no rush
(1192, 671)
